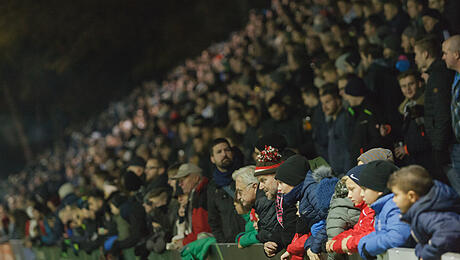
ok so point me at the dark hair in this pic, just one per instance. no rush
(216, 142)
(374, 20)
(408, 73)
(374, 50)
(330, 89)
(275, 101)
(429, 44)
(97, 194)
(161, 162)
(311, 91)
(248, 108)
(395, 3)
(412, 177)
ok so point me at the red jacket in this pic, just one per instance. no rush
(199, 211)
(296, 247)
(364, 226)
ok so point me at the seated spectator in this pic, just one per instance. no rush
(390, 231)
(431, 208)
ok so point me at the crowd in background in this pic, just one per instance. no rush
(258, 138)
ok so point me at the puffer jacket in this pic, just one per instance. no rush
(390, 231)
(435, 222)
(266, 211)
(319, 195)
(342, 213)
(364, 226)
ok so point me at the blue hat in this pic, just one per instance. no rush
(355, 172)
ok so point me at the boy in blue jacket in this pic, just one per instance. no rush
(432, 208)
(389, 231)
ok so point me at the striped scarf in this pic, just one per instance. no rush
(279, 208)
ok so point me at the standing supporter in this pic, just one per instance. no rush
(362, 119)
(225, 223)
(336, 118)
(416, 147)
(451, 55)
(437, 116)
(195, 187)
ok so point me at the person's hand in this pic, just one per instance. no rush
(329, 246)
(312, 256)
(344, 245)
(179, 244)
(285, 256)
(270, 248)
(400, 152)
(156, 225)
(384, 130)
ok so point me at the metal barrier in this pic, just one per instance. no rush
(221, 251)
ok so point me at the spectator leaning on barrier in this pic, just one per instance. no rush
(431, 208)
(389, 231)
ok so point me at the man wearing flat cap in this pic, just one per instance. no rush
(195, 185)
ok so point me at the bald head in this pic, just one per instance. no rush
(451, 52)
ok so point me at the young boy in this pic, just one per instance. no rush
(431, 207)
(347, 241)
(389, 231)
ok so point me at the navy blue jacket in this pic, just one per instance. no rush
(390, 231)
(435, 222)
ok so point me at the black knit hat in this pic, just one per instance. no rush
(375, 175)
(356, 87)
(132, 182)
(137, 161)
(293, 170)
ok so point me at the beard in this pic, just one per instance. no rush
(271, 195)
(226, 163)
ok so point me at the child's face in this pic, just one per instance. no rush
(402, 199)
(370, 196)
(354, 191)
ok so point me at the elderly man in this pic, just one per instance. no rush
(451, 55)
(195, 186)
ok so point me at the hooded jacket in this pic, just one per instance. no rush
(435, 222)
(390, 231)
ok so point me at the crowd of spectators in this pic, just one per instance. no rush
(258, 138)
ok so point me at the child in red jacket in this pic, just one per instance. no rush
(347, 241)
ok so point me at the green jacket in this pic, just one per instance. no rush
(248, 237)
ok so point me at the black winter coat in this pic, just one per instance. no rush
(437, 105)
(266, 211)
(223, 219)
(362, 131)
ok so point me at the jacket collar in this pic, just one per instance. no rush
(377, 206)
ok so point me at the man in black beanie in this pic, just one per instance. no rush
(292, 172)
(362, 119)
(389, 232)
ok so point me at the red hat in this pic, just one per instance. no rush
(267, 161)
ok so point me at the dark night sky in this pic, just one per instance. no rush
(63, 61)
